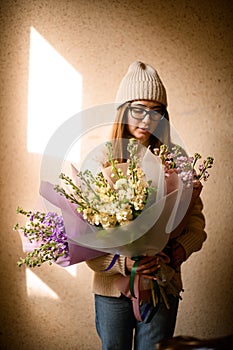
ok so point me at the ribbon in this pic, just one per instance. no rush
(112, 263)
(130, 287)
(132, 275)
(150, 309)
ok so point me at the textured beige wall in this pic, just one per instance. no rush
(190, 43)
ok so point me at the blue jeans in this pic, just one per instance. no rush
(118, 329)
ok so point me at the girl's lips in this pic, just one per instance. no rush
(144, 131)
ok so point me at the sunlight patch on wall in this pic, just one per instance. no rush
(36, 287)
(54, 92)
(72, 270)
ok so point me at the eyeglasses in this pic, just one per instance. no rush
(140, 113)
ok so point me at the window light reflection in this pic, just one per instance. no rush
(54, 92)
(36, 287)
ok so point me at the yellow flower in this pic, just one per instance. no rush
(107, 221)
(124, 215)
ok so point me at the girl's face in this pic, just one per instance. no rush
(142, 124)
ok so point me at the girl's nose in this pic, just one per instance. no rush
(146, 120)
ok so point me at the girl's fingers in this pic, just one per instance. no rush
(149, 277)
(148, 267)
(149, 271)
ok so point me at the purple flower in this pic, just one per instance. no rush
(48, 229)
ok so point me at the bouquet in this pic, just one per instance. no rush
(127, 208)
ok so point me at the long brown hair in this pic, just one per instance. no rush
(120, 131)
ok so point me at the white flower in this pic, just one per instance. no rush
(115, 203)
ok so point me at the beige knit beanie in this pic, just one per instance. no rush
(141, 82)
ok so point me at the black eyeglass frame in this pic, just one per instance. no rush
(147, 111)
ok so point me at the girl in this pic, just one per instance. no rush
(141, 114)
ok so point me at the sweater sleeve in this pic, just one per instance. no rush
(194, 235)
(100, 264)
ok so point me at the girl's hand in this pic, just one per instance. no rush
(147, 266)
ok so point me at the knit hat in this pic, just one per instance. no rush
(141, 82)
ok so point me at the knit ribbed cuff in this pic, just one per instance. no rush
(192, 242)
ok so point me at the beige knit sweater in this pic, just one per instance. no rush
(191, 238)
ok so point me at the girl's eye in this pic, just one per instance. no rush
(138, 111)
